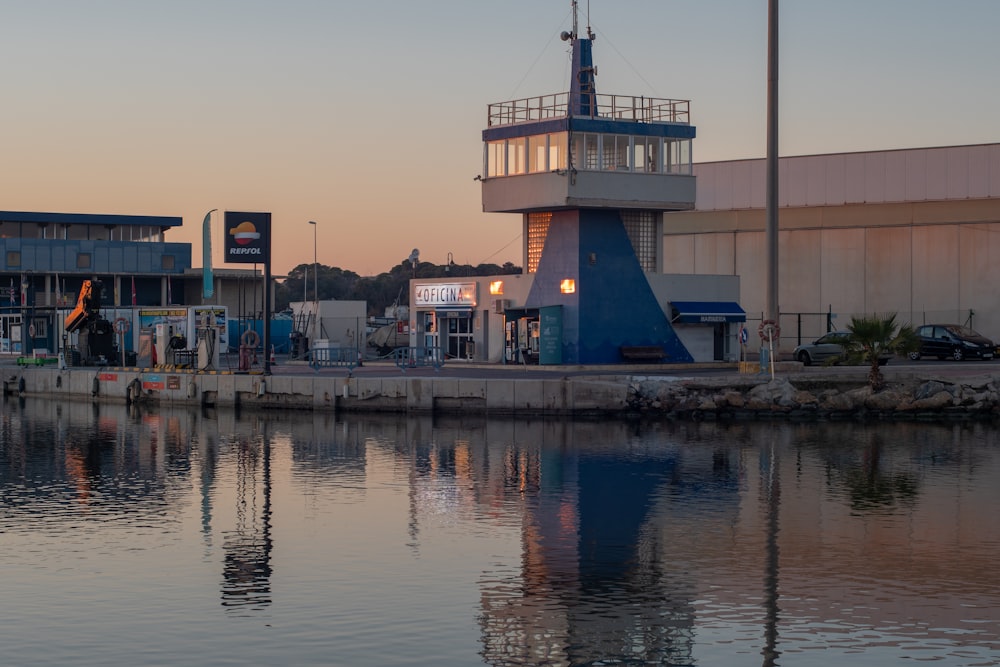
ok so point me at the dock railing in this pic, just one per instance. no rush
(418, 357)
(335, 357)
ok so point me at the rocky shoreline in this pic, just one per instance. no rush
(813, 398)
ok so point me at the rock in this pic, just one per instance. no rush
(733, 399)
(788, 398)
(887, 400)
(935, 402)
(805, 399)
(836, 401)
(928, 389)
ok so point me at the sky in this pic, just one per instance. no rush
(366, 117)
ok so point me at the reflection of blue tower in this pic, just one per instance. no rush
(592, 175)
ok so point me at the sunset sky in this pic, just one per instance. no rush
(367, 116)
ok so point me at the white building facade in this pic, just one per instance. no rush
(914, 232)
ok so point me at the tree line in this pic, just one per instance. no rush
(381, 291)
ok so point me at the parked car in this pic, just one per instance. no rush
(952, 341)
(828, 348)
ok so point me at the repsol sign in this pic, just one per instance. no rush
(248, 238)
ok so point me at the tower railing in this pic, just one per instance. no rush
(635, 108)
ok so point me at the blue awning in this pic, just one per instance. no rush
(706, 312)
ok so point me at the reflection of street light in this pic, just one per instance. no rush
(315, 265)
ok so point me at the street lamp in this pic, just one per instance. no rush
(315, 264)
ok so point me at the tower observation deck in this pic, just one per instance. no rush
(582, 148)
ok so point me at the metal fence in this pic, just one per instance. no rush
(335, 357)
(417, 357)
(799, 328)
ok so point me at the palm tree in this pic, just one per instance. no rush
(875, 337)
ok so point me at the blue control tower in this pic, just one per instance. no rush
(592, 175)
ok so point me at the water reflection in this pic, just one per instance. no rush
(673, 544)
(247, 546)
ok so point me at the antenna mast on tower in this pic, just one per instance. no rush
(576, 26)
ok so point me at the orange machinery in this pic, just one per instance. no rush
(87, 306)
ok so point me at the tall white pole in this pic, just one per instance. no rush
(771, 230)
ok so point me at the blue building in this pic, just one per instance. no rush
(592, 175)
(47, 256)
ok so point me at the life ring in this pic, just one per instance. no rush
(122, 325)
(31, 330)
(250, 338)
(769, 329)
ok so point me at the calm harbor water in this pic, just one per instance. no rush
(175, 536)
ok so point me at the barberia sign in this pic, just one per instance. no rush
(445, 294)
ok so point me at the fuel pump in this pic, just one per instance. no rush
(165, 343)
(208, 344)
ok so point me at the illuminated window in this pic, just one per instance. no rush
(567, 286)
(517, 156)
(538, 230)
(557, 150)
(641, 229)
(537, 154)
(496, 287)
(496, 158)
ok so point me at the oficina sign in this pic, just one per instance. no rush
(454, 295)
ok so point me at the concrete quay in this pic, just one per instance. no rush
(690, 391)
(378, 388)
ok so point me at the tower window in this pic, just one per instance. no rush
(641, 228)
(538, 230)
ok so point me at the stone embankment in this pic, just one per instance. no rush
(653, 394)
(810, 397)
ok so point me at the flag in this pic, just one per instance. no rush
(170, 298)
(208, 281)
(133, 291)
(58, 293)
(12, 290)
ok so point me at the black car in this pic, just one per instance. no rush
(952, 341)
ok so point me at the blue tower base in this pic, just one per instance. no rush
(612, 306)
